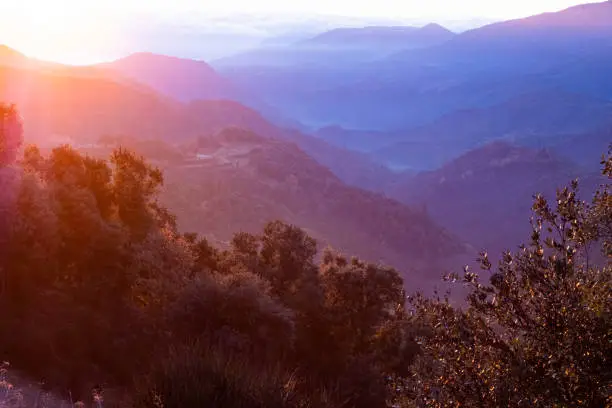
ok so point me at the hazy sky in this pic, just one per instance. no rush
(87, 30)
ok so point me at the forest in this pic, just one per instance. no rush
(106, 301)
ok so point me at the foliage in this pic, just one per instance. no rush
(10, 134)
(538, 334)
(99, 288)
(76, 265)
(198, 376)
(99, 284)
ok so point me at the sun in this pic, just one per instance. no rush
(50, 32)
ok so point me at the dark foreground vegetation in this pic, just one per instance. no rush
(99, 290)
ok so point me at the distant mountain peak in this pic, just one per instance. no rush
(6, 50)
(9, 55)
(181, 78)
(149, 57)
(591, 16)
(152, 55)
(435, 28)
(402, 36)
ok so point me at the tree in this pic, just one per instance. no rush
(360, 298)
(89, 260)
(539, 333)
(136, 184)
(11, 134)
(234, 312)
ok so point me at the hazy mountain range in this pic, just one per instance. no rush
(412, 138)
(474, 69)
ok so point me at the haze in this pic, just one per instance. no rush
(207, 30)
(305, 203)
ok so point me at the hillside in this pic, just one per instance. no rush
(585, 149)
(491, 185)
(11, 57)
(188, 80)
(16, 59)
(530, 118)
(352, 167)
(62, 104)
(236, 180)
(243, 180)
(278, 180)
(592, 17)
(76, 104)
(58, 106)
(182, 79)
(562, 33)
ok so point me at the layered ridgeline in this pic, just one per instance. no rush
(402, 37)
(188, 80)
(567, 51)
(337, 49)
(536, 118)
(52, 100)
(276, 180)
(61, 105)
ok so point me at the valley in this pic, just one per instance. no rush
(476, 106)
(297, 205)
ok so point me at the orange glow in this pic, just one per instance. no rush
(58, 32)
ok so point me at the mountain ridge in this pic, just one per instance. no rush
(559, 112)
(491, 185)
(184, 79)
(407, 36)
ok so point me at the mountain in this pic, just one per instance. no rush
(474, 69)
(61, 105)
(187, 80)
(345, 46)
(236, 180)
(491, 186)
(352, 167)
(562, 33)
(11, 57)
(180, 78)
(401, 37)
(590, 17)
(243, 180)
(86, 103)
(531, 116)
(584, 149)
(239, 180)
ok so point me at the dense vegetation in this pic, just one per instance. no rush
(101, 289)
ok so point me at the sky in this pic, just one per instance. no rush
(84, 31)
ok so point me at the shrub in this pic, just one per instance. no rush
(207, 376)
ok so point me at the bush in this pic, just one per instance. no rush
(207, 376)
